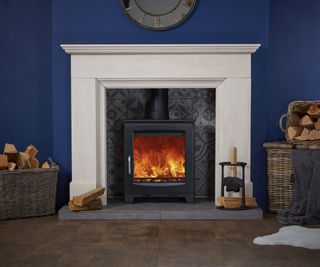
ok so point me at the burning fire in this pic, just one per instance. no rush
(159, 156)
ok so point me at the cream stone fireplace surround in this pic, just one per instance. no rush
(96, 68)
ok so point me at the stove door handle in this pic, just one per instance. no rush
(129, 165)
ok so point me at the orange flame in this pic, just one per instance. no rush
(159, 156)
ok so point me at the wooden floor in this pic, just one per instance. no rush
(49, 242)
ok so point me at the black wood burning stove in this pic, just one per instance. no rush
(159, 154)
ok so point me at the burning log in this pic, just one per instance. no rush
(158, 180)
(159, 157)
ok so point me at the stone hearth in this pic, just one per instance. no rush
(203, 209)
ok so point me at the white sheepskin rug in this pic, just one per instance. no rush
(296, 236)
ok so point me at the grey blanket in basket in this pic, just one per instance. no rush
(306, 195)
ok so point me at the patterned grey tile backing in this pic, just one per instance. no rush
(197, 104)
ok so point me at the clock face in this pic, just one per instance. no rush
(158, 14)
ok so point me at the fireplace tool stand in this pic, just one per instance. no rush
(234, 184)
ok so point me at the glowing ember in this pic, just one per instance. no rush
(159, 158)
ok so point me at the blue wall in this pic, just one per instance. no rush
(30, 57)
(35, 71)
(101, 21)
(25, 74)
(294, 68)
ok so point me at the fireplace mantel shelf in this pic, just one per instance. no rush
(75, 49)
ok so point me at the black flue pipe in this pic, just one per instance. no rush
(159, 104)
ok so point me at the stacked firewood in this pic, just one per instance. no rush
(11, 159)
(308, 127)
(87, 201)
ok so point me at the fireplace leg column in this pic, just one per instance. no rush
(87, 172)
(233, 126)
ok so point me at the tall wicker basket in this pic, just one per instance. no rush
(280, 171)
(27, 193)
(279, 165)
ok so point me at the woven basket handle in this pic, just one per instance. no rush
(281, 122)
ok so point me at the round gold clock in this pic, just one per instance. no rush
(158, 14)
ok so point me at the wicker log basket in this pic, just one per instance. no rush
(280, 173)
(296, 110)
(280, 186)
(27, 192)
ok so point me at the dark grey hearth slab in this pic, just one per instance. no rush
(202, 210)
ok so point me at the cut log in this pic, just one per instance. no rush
(32, 151)
(295, 119)
(96, 204)
(11, 151)
(233, 169)
(235, 202)
(313, 111)
(314, 135)
(45, 165)
(219, 203)
(11, 166)
(317, 124)
(304, 135)
(306, 121)
(86, 198)
(24, 161)
(9, 148)
(34, 163)
(3, 162)
(12, 157)
(293, 132)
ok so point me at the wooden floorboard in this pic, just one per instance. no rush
(47, 241)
